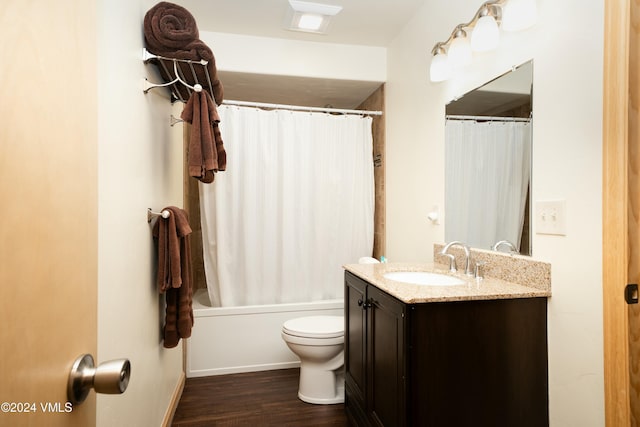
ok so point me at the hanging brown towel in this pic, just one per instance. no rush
(174, 274)
(206, 154)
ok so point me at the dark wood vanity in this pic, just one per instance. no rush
(478, 362)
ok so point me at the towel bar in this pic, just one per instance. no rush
(148, 85)
(176, 75)
(151, 214)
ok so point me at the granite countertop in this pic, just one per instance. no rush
(485, 289)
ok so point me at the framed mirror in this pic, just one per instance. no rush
(488, 142)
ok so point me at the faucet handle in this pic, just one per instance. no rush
(452, 262)
(479, 270)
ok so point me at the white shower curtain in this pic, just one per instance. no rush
(295, 203)
(487, 174)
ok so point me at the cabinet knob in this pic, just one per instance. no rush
(364, 304)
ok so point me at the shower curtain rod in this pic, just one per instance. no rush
(489, 118)
(301, 108)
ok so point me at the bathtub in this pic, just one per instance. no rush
(227, 340)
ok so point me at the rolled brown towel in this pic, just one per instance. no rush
(170, 30)
(169, 27)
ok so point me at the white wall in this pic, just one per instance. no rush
(264, 55)
(567, 105)
(140, 167)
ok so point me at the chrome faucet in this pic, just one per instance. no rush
(511, 246)
(452, 265)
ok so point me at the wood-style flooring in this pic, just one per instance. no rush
(257, 399)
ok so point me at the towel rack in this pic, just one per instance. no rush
(177, 74)
(151, 214)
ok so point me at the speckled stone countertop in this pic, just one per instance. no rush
(485, 289)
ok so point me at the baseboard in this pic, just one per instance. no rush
(175, 400)
(241, 369)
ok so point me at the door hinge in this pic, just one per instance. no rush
(631, 293)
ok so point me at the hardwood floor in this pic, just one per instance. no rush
(257, 399)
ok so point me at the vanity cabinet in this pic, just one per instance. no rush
(454, 363)
(374, 356)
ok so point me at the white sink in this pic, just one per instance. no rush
(423, 278)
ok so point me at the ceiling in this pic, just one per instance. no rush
(361, 22)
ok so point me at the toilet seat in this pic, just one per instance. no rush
(315, 327)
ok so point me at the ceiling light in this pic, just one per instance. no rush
(309, 21)
(310, 17)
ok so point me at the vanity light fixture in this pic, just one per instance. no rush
(310, 17)
(460, 49)
(510, 15)
(440, 67)
(519, 15)
(486, 34)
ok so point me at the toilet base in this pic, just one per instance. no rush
(321, 387)
(339, 398)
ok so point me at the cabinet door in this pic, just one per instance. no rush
(355, 339)
(386, 388)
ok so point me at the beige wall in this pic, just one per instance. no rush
(566, 47)
(139, 167)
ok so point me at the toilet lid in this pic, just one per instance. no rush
(315, 326)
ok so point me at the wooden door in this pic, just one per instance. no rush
(386, 379)
(355, 337)
(621, 211)
(48, 215)
(634, 207)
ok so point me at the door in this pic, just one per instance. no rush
(634, 207)
(386, 385)
(621, 211)
(48, 217)
(355, 344)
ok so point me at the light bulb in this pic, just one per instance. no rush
(310, 21)
(485, 35)
(440, 69)
(460, 50)
(519, 15)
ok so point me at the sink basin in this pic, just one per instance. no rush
(423, 278)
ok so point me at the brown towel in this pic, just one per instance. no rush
(174, 274)
(206, 153)
(170, 30)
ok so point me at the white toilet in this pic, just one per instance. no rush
(319, 343)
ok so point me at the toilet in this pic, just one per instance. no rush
(319, 343)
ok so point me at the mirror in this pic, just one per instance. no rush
(488, 143)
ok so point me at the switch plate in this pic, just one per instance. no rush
(551, 217)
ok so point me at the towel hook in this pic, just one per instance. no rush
(151, 214)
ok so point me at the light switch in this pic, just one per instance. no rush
(551, 217)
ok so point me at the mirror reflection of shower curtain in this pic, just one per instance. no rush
(295, 203)
(487, 174)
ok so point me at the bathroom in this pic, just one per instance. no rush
(130, 165)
